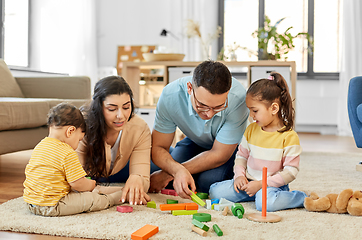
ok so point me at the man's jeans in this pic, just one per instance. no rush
(187, 149)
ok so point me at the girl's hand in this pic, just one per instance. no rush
(253, 187)
(133, 191)
(240, 182)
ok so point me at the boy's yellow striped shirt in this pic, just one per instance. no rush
(53, 164)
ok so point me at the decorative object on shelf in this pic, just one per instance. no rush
(131, 54)
(229, 54)
(164, 33)
(273, 45)
(193, 30)
(150, 57)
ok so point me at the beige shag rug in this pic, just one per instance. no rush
(320, 172)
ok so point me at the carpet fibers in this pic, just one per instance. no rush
(322, 173)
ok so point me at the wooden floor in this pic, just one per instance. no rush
(12, 171)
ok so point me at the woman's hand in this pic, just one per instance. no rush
(134, 192)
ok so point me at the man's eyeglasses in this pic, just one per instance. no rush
(203, 108)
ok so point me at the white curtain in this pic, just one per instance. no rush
(351, 58)
(64, 39)
(204, 12)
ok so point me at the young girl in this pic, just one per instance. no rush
(54, 170)
(268, 142)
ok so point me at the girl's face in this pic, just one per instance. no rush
(266, 117)
(117, 110)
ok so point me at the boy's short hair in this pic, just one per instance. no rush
(66, 114)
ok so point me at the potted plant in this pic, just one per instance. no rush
(273, 45)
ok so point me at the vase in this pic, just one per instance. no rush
(206, 50)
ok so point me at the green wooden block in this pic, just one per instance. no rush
(217, 230)
(202, 217)
(200, 225)
(151, 204)
(197, 200)
(202, 195)
(183, 212)
(171, 201)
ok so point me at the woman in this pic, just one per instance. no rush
(117, 144)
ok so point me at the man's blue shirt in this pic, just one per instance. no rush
(174, 109)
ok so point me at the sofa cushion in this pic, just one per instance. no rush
(9, 86)
(19, 113)
(359, 112)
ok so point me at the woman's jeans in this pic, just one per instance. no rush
(187, 149)
(277, 198)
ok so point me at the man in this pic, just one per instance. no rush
(209, 108)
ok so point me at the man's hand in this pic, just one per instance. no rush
(240, 182)
(182, 180)
(158, 181)
(252, 187)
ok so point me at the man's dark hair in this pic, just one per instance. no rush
(215, 77)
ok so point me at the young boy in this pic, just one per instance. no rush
(54, 170)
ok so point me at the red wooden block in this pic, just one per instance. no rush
(170, 207)
(124, 209)
(144, 232)
(165, 191)
(191, 206)
(172, 192)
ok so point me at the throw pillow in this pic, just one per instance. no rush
(9, 86)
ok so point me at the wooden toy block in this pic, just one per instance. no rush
(197, 200)
(183, 212)
(225, 211)
(200, 225)
(172, 192)
(202, 195)
(215, 201)
(171, 207)
(217, 230)
(151, 204)
(144, 232)
(124, 209)
(191, 206)
(165, 191)
(208, 204)
(213, 206)
(171, 201)
(220, 207)
(169, 192)
(225, 201)
(202, 217)
(199, 231)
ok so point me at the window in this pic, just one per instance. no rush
(241, 18)
(15, 34)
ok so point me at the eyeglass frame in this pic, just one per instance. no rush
(207, 108)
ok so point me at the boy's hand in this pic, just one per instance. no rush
(252, 187)
(240, 182)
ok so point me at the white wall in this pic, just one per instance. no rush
(135, 22)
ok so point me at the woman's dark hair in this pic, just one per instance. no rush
(215, 77)
(95, 162)
(65, 114)
(275, 90)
